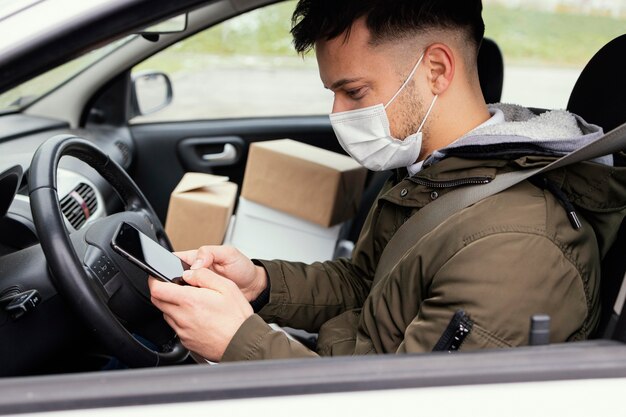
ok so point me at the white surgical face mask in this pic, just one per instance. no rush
(366, 136)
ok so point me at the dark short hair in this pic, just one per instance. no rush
(315, 20)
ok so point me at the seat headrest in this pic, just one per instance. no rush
(491, 71)
(599, 95)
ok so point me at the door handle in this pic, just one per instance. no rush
(204, 154)
(227, 156)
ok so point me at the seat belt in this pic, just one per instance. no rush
(433, 214)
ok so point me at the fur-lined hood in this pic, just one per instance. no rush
(553, 133)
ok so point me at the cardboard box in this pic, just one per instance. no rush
(200, 210)
(265, 233)
(314, 184)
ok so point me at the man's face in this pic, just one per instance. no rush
(361, 75)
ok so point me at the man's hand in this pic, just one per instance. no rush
(205, 314)
(230, 263)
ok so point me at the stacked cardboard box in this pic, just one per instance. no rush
(200, 210)
(295, 198)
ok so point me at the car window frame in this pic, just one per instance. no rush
(588, 360)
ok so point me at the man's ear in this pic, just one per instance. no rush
(441, 65)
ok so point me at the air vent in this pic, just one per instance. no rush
(79, 205)
(125, 150)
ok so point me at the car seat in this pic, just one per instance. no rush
(491, 75)
(599, 97)
(491, 71)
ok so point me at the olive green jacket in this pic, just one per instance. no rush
(506, 258)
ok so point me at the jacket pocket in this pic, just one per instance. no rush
(481, 338)
(337, 336)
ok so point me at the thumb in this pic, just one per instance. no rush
(204, 278)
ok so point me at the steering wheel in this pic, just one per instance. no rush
(102, 287)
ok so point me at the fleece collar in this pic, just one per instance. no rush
(553, 133)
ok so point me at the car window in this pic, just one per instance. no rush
(547, 43)
(247, 67)
(243, 67)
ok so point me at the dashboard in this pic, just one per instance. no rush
(83, 193)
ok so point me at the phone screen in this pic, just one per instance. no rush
(149, 255)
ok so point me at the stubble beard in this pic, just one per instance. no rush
(410, 113)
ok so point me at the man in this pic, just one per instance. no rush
(407, 97)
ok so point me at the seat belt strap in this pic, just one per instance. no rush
(433, 214)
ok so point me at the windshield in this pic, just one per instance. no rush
(28, 92)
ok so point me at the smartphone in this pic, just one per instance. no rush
(148, 254)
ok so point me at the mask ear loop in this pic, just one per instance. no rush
(406, 82)
(428, 113)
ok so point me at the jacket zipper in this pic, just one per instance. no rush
(455, 334)
(452, 183)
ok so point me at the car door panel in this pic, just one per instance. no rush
(166, 151)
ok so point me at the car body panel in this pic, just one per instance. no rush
(595, 360)
(514, 400)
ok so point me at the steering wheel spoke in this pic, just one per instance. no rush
(104, 290)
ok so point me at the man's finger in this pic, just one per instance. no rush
(205, 278)
(166, 292)
(165, 307)
(215, 256)
(172, 323)
(189, 257)
(206, 257)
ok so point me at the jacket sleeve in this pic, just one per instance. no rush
(538, 277)
(256, 340)
(306, 296)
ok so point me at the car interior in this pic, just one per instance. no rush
(62, 326)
